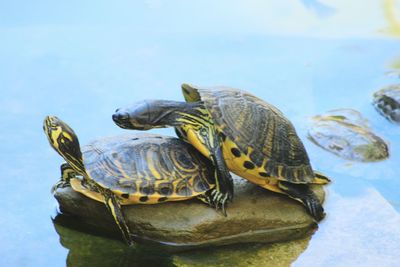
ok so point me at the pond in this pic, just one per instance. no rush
(80, 61)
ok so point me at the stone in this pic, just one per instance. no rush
(256, 215)
(345, 133)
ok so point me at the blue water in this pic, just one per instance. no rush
(80, 61)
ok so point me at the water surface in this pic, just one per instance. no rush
(80, 61)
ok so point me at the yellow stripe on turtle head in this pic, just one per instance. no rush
(52, 131)
(64, 140)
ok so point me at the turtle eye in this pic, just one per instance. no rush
(117, 110)
(54, 127)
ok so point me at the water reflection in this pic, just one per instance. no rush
(278, 254)
(362, 229)
(87, 248)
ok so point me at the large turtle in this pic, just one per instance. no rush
(130, 169)
(239, 132)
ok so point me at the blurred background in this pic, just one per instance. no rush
(80, 60)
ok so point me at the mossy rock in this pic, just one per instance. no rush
(345, 133)
(256, 215)
(86, 249)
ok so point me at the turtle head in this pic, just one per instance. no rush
(64, 140)
(148, 114)
(190, 92)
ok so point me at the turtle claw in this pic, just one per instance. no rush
(222, 203)
(224, 211)
(131, 243)
(315, 209)
(217, 200)
(59, 184)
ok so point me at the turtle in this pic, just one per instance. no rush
(387, 102)
(130, 169)
(239, 132)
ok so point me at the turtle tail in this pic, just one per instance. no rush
(321, 178)
(303, 193)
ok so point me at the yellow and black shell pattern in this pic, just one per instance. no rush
(147, 168)
(259, 142)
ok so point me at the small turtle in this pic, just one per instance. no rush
(238, 132)
(130, 169)
(387, 102)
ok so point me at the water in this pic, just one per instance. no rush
(80, 61)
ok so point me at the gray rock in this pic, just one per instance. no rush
(346, 133)
(256, 215)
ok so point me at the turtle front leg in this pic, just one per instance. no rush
(114, 207)
(207, 198)
(67, 173)
(223, 190)
(206, 140)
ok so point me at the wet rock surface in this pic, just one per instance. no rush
(256, 215)
(347, 134)
(387, 102)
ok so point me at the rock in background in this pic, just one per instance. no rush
(346, 133)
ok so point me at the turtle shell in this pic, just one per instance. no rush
(146, 168)
(258, 129)
(387, 102)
